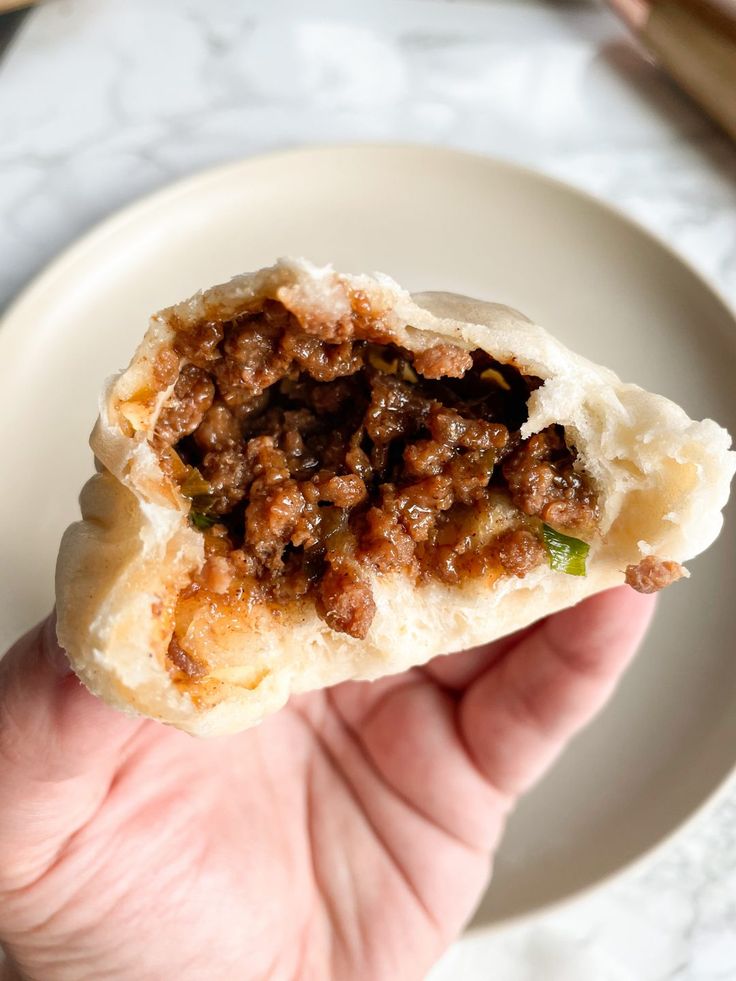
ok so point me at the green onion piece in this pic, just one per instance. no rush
(490, 374)
(201, 521)
(194, 484)
(565, 554)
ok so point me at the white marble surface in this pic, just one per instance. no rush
(103, 100)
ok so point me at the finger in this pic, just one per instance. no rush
(407, 730)
(58, 747)
(516, 717)
(457, 671)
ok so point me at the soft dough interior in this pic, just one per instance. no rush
(316, 457)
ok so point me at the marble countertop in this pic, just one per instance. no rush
(89, 121)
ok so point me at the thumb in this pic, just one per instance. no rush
(59, 747)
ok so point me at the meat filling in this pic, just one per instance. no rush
(314, 456)
(652, 574)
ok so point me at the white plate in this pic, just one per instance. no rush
(433, 219)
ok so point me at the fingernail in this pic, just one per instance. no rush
(56, 655)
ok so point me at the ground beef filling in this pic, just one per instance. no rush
(311, 460)
(652, 574)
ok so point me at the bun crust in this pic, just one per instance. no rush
(662, 481)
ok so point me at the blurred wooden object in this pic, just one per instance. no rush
(6, 5)
(695, 41)
(10, 21)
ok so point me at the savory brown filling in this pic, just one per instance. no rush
(651, 574)
(312, 459)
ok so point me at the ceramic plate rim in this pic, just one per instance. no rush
(43, 280)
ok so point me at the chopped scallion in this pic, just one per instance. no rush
(566, 554)
(194, 484)
(201, 521)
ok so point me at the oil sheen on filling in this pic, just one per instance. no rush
(315, 459)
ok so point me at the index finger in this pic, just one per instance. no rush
(519, 714)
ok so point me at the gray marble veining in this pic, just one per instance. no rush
(102, 101)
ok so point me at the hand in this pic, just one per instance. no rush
(349, 836)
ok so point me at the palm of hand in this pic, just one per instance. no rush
(348, 836)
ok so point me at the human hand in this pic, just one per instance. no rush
(348, 836)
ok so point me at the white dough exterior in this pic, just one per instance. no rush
(662, 481)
